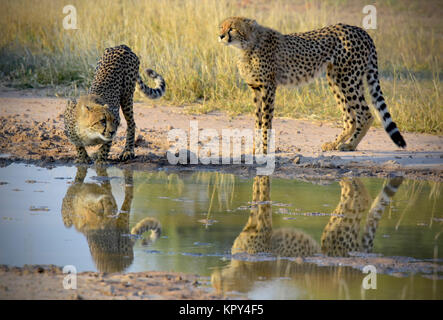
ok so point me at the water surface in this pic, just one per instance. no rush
(123, 221)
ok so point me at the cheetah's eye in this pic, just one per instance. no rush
(103, 122)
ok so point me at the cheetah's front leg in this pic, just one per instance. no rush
(129, 191)
(102, 172)
(268, 97)
(127, 108)
(81, 174)
(82, 155)
(258, 118)
(101, 156)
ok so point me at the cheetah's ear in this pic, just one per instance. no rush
(72, 102)
(252, 23)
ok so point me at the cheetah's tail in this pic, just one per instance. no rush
(160, 88)
(376, 211)
(147, 224)
(379, 102)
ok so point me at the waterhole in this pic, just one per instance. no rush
(257, 237)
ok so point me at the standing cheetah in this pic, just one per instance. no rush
(347, 53)
(95, 118)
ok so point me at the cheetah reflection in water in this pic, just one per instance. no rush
(93, 211)
(340, 237)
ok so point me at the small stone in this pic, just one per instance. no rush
(299, 260)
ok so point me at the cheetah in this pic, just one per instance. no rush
(340, 237)
(91, 209)
(95, 118)
(347, 54)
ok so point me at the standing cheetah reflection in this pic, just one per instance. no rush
(93, 211)
(340, 237)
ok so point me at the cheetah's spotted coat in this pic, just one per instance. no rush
(346, 53)
(95, 119)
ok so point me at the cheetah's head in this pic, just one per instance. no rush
(90, 206)
(237, 31)
(95, 123)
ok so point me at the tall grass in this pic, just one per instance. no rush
(178, 38)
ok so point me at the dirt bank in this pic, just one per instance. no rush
(46, 282)
(31, 130)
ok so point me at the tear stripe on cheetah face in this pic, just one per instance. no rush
(269, 58)
(113, 87)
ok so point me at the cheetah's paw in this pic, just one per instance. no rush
(101, 162)
(346, 147)
(127, 155)
(328, 146)
(86, 160)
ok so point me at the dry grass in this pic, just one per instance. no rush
(178, 39)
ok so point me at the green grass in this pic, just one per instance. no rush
(179, 40)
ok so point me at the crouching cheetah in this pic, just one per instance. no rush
(95, 118)
(347, 53)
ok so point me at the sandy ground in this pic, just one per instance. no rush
(47, 282)
(43, 282)
(31, 130)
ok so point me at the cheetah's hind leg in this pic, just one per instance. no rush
(363, 116)
(343, 93)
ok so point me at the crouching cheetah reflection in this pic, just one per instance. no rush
(92, 209)
(347, 53)
(94, 119)
(340, 236)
